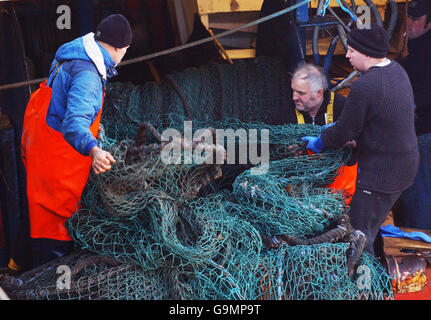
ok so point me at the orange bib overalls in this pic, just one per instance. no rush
(56, 172)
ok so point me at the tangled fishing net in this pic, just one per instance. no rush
(207, 230)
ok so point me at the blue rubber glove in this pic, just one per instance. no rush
(326, 126)
(314, 144)
(392, 231)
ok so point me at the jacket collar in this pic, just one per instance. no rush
(101, 58)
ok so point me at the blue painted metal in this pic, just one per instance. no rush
(327, 61)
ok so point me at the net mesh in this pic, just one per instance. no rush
(191, 230)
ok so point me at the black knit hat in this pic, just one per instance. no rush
(114, 30)
(419, 8)
(373, 42)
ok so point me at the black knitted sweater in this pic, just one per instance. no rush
(379, 115)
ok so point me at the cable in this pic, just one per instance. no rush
(178, 48)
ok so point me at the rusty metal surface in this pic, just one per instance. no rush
(408, 273)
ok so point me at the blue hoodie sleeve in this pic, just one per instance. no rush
(83, 105)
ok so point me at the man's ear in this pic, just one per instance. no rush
(320, 93)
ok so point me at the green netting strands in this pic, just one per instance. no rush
(318, 273)
(126, 189)
(92, 277)
(275, 212)
(187, 230)
(164, 237)
(250, 91)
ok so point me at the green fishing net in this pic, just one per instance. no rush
(83, 275)
(148, 229)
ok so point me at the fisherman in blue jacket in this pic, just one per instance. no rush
(78, 90)
(59, 145)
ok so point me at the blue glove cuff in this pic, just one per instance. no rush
(392, 231)
(314, 144)
(326, 126)
(319, 143)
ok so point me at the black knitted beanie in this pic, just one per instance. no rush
(373, 42)
(419, 8)
(114, 30)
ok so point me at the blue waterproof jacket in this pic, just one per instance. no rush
(78, 90)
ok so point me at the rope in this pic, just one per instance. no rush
(405, 48)
(352, 16)
(181, 95)
(223, 91)
(22, 84)
(178, 48)
(326, 6)
(220, 35)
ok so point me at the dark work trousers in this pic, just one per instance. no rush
(368, 211)
(415, 202)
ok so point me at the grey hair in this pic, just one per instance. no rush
(314, 76)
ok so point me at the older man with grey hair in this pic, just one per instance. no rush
(312, 101)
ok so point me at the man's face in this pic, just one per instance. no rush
(356, 59)
(119, 54)
(304, 98)
(417, 26)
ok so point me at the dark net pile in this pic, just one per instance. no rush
(151, 230)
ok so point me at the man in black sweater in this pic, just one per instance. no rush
(414, 208)
(379, 116)
(312, 101)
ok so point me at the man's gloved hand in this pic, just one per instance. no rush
(326, 126)
(314, 144)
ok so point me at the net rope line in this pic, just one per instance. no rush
(178, 48)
